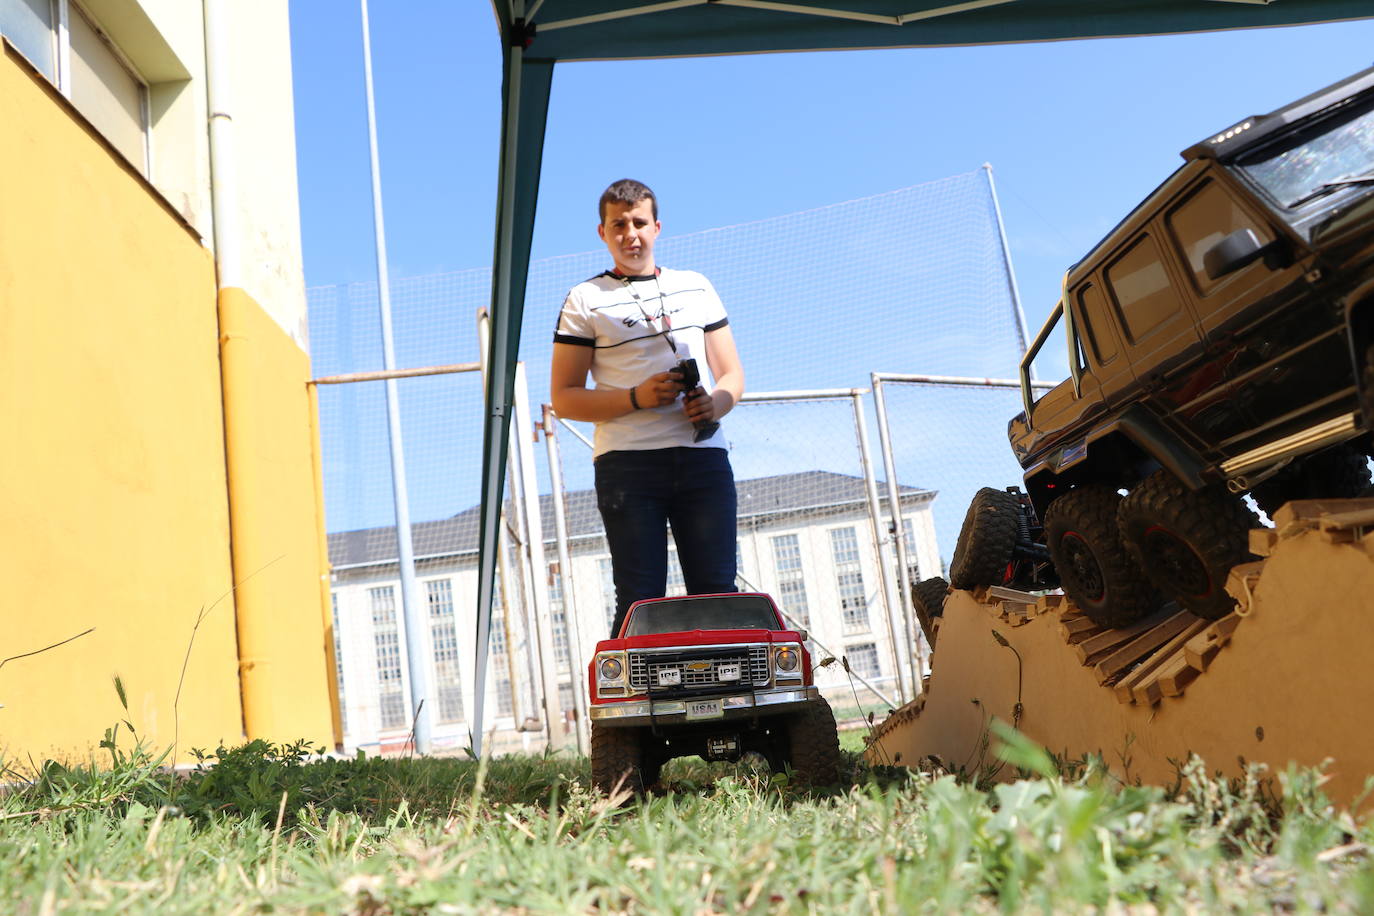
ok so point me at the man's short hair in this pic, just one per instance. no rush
(626, 191)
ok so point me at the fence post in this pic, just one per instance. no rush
(894, 502)
(565, 571)
(539, 568)
(416, 642)
(875, 524)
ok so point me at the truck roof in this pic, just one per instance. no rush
(1249, 132)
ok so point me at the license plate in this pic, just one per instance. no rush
(704, 709)
(728, 672)
(669, 677)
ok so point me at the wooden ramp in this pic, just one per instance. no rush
(1289, 677)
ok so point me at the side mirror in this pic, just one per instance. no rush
(804, 635)
(1232, 253)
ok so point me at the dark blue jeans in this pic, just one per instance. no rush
(640, 494)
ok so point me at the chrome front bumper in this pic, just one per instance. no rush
(674, 712)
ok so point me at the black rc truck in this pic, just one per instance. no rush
(1220, 342)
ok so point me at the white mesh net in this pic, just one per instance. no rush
(912, 281)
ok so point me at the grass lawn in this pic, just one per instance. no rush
(270, 830)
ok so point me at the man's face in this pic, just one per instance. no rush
(629, 231)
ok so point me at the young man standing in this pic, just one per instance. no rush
(660, 457)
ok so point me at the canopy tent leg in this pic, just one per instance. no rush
(525, 104)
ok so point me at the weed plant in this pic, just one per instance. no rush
(268, 828)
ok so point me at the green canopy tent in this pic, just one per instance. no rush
(536, 34)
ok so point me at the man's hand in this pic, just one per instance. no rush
(699, 406)
(659, 390)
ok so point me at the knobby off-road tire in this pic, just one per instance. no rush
(928, 597)
(1336, 473)
(1187, 540)
(1094, 567)
(814, 745)
(986, 540)
(617, 754)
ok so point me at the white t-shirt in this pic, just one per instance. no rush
(628, 321)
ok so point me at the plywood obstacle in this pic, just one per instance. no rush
(1289, 676)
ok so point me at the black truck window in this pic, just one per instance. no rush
(733, 612)
(1097, 328)
(1141, 287)
(1206, 217)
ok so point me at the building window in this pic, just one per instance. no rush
(849, 579)
(390, 689)
(787, 564)
(31, 26)
(505, 701)
(559, 616)
(67, 47)
(863, 660)
(913, 567)
(565, 697)
(607, 590)
(443, 631)
(338, 660)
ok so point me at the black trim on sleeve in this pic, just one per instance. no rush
(716, 325)
(576, 341)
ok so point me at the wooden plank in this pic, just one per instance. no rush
(1077, 625)
(1094, 645)
(1016, 615)
(1201, 649)
(1173, 684)
(1150, 690)
(1262, 541)
(1046, 603)
(1001, 593)
(1310, 509)
(1111, 668)
(1150, 665)
(1360, 518)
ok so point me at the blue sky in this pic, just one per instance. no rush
(1076, 132)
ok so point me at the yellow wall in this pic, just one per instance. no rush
(115, 502)
(113, 506)
(284, 643)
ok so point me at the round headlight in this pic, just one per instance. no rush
(611, 668)
(788, 660)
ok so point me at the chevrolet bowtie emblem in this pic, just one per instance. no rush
(698, 666)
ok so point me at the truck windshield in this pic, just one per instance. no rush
(1316, 160)
(742, 612)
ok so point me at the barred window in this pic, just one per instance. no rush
(559, 616)
(913, 568)
(863, 659)
(338, 660)
(390, 687)
(505, 702)
(849, 579)
(448, 685)
(787, 564)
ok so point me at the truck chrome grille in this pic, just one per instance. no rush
(699, 667)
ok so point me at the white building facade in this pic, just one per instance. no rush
(806, 539)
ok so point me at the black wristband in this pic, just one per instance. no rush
(634, 400)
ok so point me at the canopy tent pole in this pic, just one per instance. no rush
(525, 103)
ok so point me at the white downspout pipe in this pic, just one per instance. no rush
(224, 195)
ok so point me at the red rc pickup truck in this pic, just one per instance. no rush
(719, 676)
